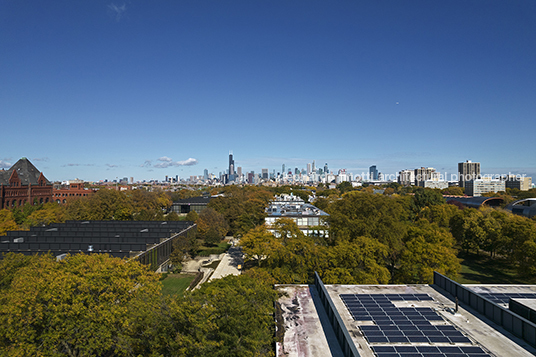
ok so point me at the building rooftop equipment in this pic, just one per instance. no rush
(445, 319)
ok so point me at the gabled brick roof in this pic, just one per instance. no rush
(26, 171)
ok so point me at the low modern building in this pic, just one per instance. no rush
(23, 183)
(304, 214)
(151, 242)
(435, 184)
(195, 204)
(521, 183)
(475, 202)
(526, 207)
(478, 187)
(444, 319)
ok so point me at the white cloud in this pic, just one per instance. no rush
(165, 159)
(117, 11)
(168, 162)
(111, 165)
(5, 164)
(40, 159)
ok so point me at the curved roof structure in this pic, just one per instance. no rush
(476, 202)
(526, 207)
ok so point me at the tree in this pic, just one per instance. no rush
(192, 216)
(362, 214)
(7, 222)
(427, 248)
(344, 187)
(210, 219)
(242, 310)
(83, 305)
(361, 261)
(48, 213)
(453, 191)
(425, 197)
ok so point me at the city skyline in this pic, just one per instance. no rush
(105, 90)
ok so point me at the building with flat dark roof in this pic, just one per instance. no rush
(150, 242)
(196, 204)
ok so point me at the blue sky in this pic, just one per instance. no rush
(105, 89)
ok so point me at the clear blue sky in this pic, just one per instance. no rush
(104, 89)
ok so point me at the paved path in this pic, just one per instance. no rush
(229, 263)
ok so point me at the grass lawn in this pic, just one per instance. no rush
(483, 270)
(176, 283)
(218, 249)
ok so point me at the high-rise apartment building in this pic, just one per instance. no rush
(424, 174)
(265, 174)
(205, 175)
(309, 169)
(468, 171)
(406, 177)
(326, 168)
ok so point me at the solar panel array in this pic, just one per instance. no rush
(410, 325)
(117, 238)
(429, 351)
(503, 298)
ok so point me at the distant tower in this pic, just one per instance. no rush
(313, 169)
(326, 168)
(283, 169)
(468, 171)
(231, 167)
(309, 169)
(373, 171)
(205, 175)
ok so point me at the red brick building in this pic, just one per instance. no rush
(73, 190)
(23, 183)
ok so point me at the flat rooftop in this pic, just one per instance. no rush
(395, 320)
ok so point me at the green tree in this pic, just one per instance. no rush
(208, 220)
(242, 309)
(85, 305)
(192, 216)
(7, 222)
(363, 214)
(427, 248)
(425, 197)
(361, 261)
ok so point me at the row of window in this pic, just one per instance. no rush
(300, 221)
(69, 194)
(22, 202)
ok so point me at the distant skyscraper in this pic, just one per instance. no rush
(373, 172)
(309, 169)
(326, 168)
(468, 171)
(283, 170)
(313, 169)
(265, 174)
(231, 167)
(205, 175)
(239, 171)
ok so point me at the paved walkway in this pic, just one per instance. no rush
(229, 264)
